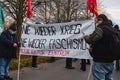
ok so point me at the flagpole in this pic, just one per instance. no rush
(94, 15)
(18, 74)
(93, 9)
(90, 70)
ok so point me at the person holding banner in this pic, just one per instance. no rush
(69, 63)
(83, 64)
(34, 58)
(103, 66)
(8, 49)
(117, 61)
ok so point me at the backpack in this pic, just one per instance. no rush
(115, 44)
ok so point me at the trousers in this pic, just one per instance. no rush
(102, 71)
(4, 67)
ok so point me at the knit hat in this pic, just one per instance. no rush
(13, 27)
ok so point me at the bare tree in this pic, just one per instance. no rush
(50, 11)
(15, 9)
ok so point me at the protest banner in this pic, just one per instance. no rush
(57, 40)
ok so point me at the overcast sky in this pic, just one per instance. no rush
(112, 7)
(112, 3)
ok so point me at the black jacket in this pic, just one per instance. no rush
(6, 45)
(101, 51)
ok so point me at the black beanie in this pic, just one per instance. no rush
(13, 27)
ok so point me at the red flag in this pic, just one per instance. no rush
(29, 8)
(92, 6)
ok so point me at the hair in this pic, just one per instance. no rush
(8, 23)
(116, 27)
(104, 18)
(110, 22)
(13, 26)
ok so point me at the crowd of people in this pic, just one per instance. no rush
(102, 67)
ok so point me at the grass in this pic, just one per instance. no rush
(26, 61)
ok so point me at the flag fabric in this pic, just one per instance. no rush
(92, 6)
(29, 8)
(2, 19)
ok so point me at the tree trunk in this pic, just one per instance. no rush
(19, 20)
(68, 10)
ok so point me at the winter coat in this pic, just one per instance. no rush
(6, 45)
(100, 40)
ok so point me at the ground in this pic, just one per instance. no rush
(56, 71)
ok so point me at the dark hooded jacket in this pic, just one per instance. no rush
(100, 40)
(101, 51)
(6, 45)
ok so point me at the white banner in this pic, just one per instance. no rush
(57, 40)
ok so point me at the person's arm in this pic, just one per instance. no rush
(94, 37)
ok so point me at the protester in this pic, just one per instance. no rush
(117, 61)
(34, 61)
(69, 63)
(8, 48)
(103, 66)
(34, 58)
(83, 64)
(117, 28)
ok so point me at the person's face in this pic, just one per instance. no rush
(12, 32)
(99, 20)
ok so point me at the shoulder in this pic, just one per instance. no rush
(106, 27)
(5, 33)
